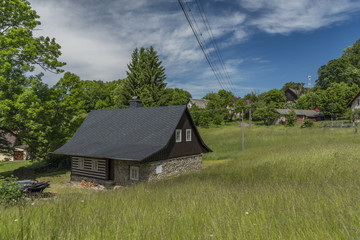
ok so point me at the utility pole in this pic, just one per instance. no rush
(242, 129)
(250, 118)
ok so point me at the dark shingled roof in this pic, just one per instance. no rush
(300, 112)
(125, 134)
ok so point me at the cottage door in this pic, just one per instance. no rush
(18, 155)
(110, 172)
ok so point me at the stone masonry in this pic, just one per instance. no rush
(147, 170)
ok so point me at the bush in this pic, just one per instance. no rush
(307, 123)
(291, 118)
(10, 189)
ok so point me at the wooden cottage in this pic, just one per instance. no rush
(292, 94)
(313, 115)
(123, 146)
(18, 152)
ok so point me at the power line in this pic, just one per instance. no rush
(203, 44)
(213, 40)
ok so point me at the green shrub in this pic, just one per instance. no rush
(10, 189)
(291, 118)
(307, 123)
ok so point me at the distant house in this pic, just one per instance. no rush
(292, 94)
(355, 102)
(124, 146)
(246, 101)
(313, 115)
(200, 103)
(19, 152)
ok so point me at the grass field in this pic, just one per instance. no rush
(289, 183)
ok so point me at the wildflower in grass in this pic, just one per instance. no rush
(32, 204)
(246, 213)
(16, 220)
(82, 201)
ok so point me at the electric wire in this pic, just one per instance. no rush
(203, 45)
(213, 40)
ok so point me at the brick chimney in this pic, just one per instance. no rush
(135, 102)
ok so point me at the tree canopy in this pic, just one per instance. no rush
(344, 69)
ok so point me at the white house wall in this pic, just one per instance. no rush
(356, 103)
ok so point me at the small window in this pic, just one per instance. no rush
(188, 135)
(94, 164)
(159, 169)
(134, 173)
(178, 135)
(80, 163)
(358, 101)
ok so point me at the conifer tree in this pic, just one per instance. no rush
(145, 78)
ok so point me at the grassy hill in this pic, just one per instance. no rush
(290, 183)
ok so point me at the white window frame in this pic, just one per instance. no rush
(178, 133)
(94, 164)
(188, 135)
(82, 161)
(134, 173)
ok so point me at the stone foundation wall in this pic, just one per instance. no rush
(147, 170)
(170, 167)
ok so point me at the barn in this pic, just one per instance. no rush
(124, 146)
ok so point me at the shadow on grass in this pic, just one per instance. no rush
(36, 170)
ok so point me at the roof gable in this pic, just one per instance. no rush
(201, 103)
(126, 134)
(352, 100)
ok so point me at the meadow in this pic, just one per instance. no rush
(289, 183)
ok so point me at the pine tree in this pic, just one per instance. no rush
(145, 78)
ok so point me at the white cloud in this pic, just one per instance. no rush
(98, 37)
(286, 16)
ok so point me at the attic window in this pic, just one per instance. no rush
(188, 135)
(134, 173)
(178, 135)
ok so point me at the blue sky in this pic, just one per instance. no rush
(264, 43)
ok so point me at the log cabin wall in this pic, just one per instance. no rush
(183, 148)
(90, 167)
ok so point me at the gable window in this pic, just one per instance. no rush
(80, 163)
(188, 135)
(94, 164)
(134, 173)
(178, 135)
(358, 101)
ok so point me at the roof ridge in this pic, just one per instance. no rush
(112, 109)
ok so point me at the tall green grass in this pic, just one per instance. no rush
(289, 183)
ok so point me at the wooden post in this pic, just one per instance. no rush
(242, 129)
(250, 118)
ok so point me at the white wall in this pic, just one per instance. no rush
(356, 103)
